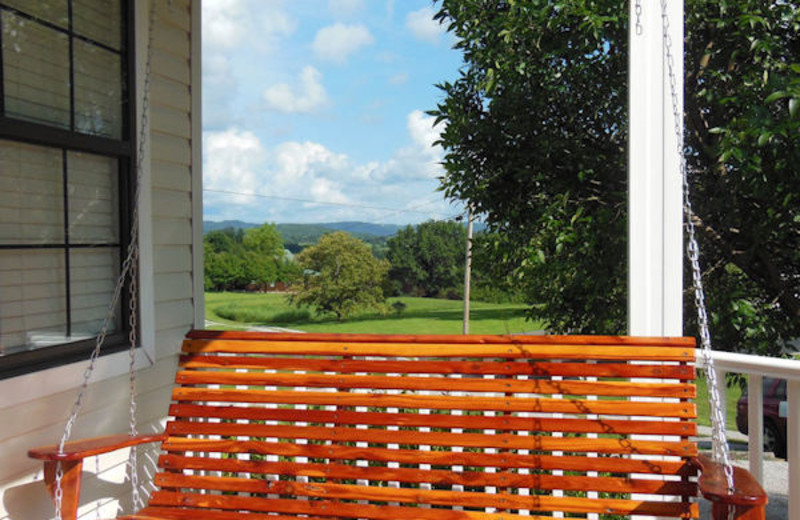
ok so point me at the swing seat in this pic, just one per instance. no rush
(318, 426)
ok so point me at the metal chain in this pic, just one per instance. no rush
(719, 441)
(128, 271)
(637, 10)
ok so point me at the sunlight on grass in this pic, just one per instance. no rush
(420, 316)
(732, 395)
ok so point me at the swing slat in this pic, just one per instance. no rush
(508, 423)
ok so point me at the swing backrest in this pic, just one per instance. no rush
(402, 427)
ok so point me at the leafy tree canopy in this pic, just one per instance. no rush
(341, 276)
(236, 259)
(428, 259)
(536, 138)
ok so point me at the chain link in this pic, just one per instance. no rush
(637, 10)
(128, 271)
(719, 441)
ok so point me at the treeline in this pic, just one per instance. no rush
(424, 260)
(252, 259)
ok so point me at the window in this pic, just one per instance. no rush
(66, 159)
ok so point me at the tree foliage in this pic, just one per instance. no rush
(237, 259)
(341, 276)
(536, 139)
(428, 260)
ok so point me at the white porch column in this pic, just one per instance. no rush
(655, 200)
(655, 235)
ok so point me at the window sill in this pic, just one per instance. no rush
(37, 385)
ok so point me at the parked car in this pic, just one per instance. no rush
(774, 392)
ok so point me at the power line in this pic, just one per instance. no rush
(324, 203)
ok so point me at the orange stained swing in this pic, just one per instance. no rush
(268, 426)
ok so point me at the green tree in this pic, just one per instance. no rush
(536, 138)
(428, 259)
(264, 254)
(265, 240)
(236, 259)
(341, 276)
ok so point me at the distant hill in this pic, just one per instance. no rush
(210, 225)
(297, 237)
(313, 231)
(364, 228)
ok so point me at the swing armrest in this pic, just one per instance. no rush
(83, 448)
(748, 497)
(71, 462)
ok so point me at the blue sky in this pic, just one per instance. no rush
(314, 110)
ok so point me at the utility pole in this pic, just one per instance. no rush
(468, 271)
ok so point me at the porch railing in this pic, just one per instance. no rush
(758, 367)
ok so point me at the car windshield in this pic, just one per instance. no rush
(771, 387)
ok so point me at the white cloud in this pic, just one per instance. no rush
(308, 182)
(341, 8)
(423, 133)
(223, 23)
(297, 161)
(337, 42)
(305, 97)
(399, 79)
(229, 23)
(418, 161)
(276, 22)
(233, 160)
(423, 26)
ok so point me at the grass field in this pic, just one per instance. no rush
(421, 316)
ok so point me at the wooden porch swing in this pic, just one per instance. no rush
(278, 426)
(282, 426)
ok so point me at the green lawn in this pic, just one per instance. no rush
(731, 397)
(421, 316)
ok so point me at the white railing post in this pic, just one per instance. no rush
(722, 388)
(762, 366)
(793, 446)
(755, 425)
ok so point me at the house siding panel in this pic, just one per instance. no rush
(41, 420)
(169, 93)
(171, 150)
(172, 287)
(171, 204)
(173, 177)
(172, 259)
(171, 232)
(171, 121)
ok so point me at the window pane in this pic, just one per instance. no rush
(54, 11)
(93, 199)
(31, 195)
(93, 276)
(98, 91)
(33, 302)
(98, 20)
(35, 71)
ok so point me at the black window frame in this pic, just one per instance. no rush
(20, 130)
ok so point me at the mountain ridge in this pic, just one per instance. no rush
(353, 227)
